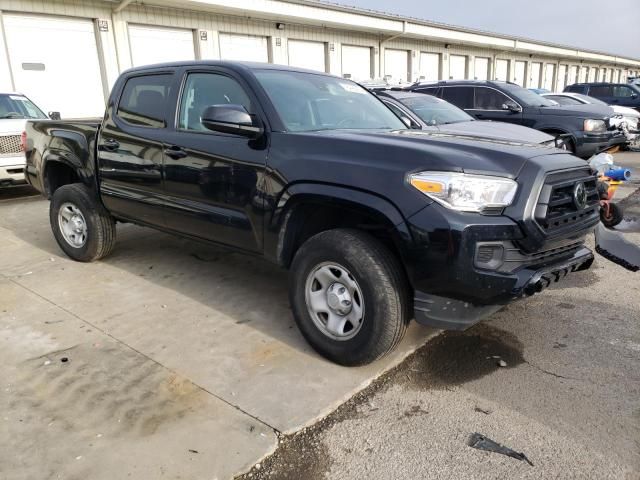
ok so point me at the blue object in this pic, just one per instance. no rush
(619, 174)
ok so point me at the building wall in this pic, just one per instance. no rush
(115, 54)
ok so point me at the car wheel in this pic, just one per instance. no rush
(82, 227)
(349, 296)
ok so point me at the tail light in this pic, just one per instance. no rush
(23, 141)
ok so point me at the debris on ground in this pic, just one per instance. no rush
(480, 442)
(502, 363)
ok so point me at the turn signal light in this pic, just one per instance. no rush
(23, 141)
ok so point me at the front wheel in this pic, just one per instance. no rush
(349, 296)
(82, 227)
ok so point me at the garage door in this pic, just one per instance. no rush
(457, 67)
(356, 62)
(562, 78)
(396, 65)
(429, 66)
(573, 75)
(481, 68)
(304, 54)
(520, 72)
(54, 61)
(247, 48)
(549, 70)
(502, 70)
(534, 78)
(157, 44)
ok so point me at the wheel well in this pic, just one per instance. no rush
(308, 219)
(58, 174)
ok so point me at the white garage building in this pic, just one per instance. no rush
(66, 54)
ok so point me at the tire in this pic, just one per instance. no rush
(84, 229)
(614, 216)
(380, 295)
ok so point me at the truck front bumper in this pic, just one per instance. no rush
(12, 170)
(450, 314)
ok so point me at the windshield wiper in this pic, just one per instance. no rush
(12, 115)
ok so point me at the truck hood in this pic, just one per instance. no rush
(411, 150)
(12, 126)
(496, 130)
(582, 111)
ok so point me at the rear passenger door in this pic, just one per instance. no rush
(213, 180)
(489, 103)
(601, 92)
(130, 148)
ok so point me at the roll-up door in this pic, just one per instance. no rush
(356, 62)
(54, 61)
(481, 68)
(457, 67)
(305, 54)
(520, 72)
(248, 48)
(429, 66)
(396, 65)
(151, 44)
(502, 70)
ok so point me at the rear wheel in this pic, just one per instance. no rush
(611, 214)
(349, 296)
(82, 227)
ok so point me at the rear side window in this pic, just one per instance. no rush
(600, 91)
(144, 100)
(461, 97)
(574, 88)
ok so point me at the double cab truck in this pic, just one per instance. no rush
(377, 223)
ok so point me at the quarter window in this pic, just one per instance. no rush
(144, 100)
(203, 90)
(461, 97)
(489, 99)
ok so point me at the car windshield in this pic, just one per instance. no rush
(591, 100)
(526, 97)
(309, 102)
(17, 106)
(434, 111)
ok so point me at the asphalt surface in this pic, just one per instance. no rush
(568, 395)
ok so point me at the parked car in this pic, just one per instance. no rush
(377, 223)
(623, 94)
(426, 112)
(15, 109)
(630, 116)
(587, 125)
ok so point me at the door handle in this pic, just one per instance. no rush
(110, 144)
(175, 152)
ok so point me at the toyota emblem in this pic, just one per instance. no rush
(580, 196)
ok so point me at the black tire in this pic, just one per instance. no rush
(384, 290)
(100, 226)
(614, 216)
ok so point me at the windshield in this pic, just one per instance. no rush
(434, 111)
(308, 102)
(526, 97)
(589, 99)
(17, 106)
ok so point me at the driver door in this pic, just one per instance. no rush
(213, 180)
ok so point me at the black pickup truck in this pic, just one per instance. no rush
(377, 223)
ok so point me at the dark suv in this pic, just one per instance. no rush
(587, 125)
(623, 94)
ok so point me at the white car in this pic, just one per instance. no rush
(15, 110)
(630, 116)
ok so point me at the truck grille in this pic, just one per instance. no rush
(560, 207)
(10, 144)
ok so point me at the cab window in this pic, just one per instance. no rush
(203, 90)
(144, 100)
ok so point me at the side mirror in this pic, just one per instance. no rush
(634, 95)
(54, 115)
(230, 118)
(512, 107)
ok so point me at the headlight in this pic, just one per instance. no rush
(594, 126)
(465, 192)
